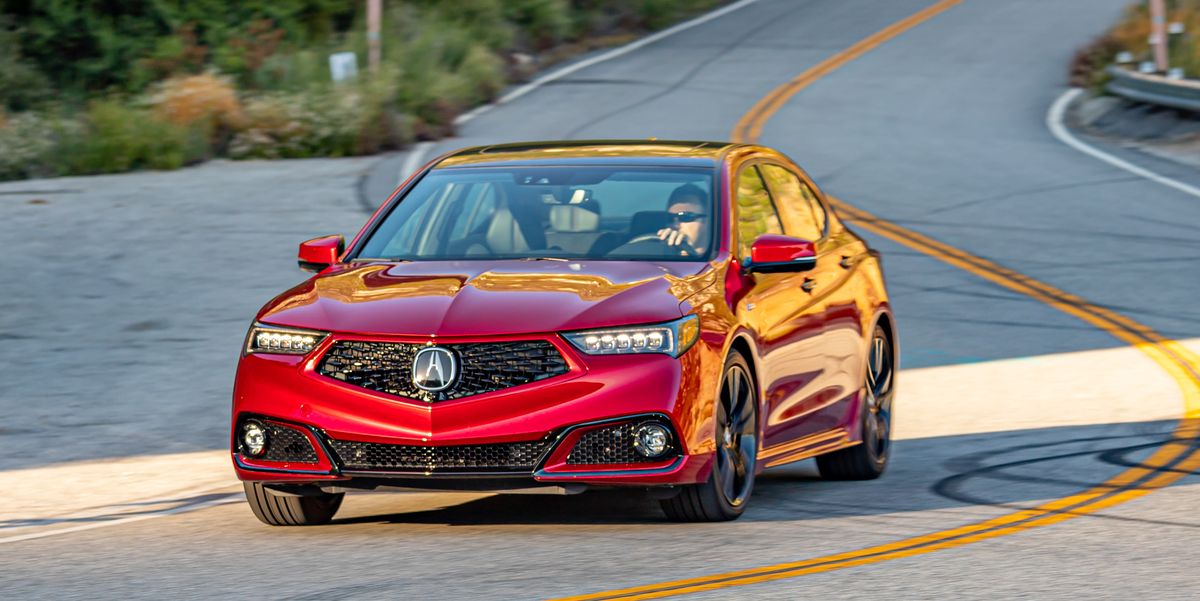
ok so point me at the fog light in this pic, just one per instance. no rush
(254, 438)
(652, 440)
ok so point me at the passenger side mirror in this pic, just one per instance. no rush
(773, 253)
(319, 253)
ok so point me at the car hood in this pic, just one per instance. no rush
(470, 298)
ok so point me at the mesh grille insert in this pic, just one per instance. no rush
(505, 457)
(286, 445)
(613, 444)
(485, 367)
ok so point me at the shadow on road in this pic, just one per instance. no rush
(1008, 470)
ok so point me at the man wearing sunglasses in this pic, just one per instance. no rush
(687, 214)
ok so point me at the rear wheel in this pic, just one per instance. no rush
(286, 510)
(725, 494)
(866, 461)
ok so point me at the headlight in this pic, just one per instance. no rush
(286, 341)
(671, 338)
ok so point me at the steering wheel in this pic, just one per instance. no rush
(653, 245)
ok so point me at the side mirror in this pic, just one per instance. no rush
(319, 253)
(772, 253)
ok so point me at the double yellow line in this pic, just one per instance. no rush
(1176, 458)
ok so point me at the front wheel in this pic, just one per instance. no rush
(284, 510)
(725, 494)
(866, 461)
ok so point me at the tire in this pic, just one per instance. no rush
(725, 494)
(281, 510)
(868, 459)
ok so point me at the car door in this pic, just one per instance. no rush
(830, 394)
(783, 310)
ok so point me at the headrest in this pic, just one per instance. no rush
(515, 230)
(575, 217)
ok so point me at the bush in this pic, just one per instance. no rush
(116, 137)
(205, 105)
(155, 63)
(1089, 63)
(326, 121)
(27, 143)
(1131, 34)
(21, 85)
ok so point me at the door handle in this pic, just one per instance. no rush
(808, 285)
(846, 262)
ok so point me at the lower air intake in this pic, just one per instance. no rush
(504, 457)
(613, 444)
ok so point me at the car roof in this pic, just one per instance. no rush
(592, 152)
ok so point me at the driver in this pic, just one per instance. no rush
(687, 215)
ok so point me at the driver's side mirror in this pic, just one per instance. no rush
(773, 253)
(319, 253)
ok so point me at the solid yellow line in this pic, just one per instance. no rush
(749, 127)
(1178, 361)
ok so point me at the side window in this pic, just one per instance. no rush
(817, 209)
(802, 214)
(756, 213)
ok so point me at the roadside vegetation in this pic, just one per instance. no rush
(100, 87)
(1131, 33)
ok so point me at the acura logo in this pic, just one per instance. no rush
(434, 368)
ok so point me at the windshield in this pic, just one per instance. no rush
(604, 213)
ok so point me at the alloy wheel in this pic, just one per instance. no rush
(878, 422)
(737, 440)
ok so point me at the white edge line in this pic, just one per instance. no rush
(415, 157)
(412, 161)
(1054, 121)
(599, 58)
(230, 498)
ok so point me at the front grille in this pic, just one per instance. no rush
(485, 367)
(505, 457)
(287, 445)
(613, 444)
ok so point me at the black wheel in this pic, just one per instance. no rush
(867, 461)
(725, 494)
(282, 510)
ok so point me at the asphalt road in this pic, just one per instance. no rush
(940, 130)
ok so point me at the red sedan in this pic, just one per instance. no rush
(663, 316)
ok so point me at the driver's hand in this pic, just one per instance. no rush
(671, 236)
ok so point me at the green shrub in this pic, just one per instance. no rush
(327, 120)
(117, 137)
(545, 22)
(21, 85)
(27, 143)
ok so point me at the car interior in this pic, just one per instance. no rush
(514, 215)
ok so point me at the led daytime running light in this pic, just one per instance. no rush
(671, 338)
(286, 341)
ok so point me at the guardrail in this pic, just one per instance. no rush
(1155, 89)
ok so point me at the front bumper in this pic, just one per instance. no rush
(312, 457)
(344, 423)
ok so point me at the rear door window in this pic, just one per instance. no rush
(802, 214)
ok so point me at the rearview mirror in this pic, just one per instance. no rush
(773, 253)
(319, 253)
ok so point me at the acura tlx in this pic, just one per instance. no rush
(668, 318)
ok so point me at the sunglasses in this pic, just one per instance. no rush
(687, 217)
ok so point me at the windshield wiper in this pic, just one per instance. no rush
(378, 260)
(545, 259)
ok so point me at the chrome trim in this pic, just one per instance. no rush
(275, 470)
